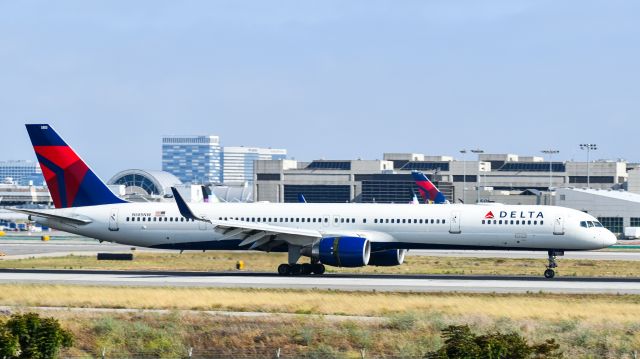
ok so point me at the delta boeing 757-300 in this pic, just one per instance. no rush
(334, 234)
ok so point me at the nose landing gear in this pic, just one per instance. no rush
(550, 272)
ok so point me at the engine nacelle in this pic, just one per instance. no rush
(343, 251)
(388, 258)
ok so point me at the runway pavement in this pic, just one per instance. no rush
(402, 283)
(24, 247)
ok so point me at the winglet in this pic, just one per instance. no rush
(301, 198)
(183, 207)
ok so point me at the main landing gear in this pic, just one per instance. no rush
(550, 272)
(301, 269)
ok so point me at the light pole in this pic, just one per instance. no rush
(478, 152)
(464, 174)
(550, 153)
(589, 147)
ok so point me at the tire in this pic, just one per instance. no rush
(549, 273)
(284, 269)
(318, 269)
(307, 269)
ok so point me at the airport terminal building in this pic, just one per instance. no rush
(503, 178)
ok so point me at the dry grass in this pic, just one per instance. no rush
(529, 306)
(268, 262)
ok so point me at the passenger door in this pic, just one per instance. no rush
(113, 220)
(454, 223)
(558, 225)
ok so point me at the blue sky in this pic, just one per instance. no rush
(334, 79)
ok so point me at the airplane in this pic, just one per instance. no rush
(428, 191)
(333, 234)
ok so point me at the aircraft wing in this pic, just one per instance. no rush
(255, 233)
(69, 219)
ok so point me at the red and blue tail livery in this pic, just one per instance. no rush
(428, 192)
(71, 182)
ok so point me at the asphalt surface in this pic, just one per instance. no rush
(368, 282)
(33, 247)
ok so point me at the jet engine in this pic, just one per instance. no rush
(343, 251)
(388, 258)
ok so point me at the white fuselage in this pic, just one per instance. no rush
(387, 226)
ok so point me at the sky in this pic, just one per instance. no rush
(339, 79)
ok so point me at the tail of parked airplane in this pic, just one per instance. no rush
(71, 182)
(427, 190)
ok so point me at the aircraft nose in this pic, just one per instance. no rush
(609, 239)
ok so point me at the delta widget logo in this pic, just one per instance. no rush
(489, 215)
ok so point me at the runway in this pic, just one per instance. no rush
(379, 283)
(26, 248)
(17, 248)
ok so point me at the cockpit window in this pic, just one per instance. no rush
(583, 224)
(590, 224)
(598, 224)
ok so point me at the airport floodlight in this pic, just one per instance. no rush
(550, 153)
(588, 147)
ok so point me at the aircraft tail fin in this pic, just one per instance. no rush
(71, 182)
(427, 189)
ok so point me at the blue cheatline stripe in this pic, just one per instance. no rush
(44, 135)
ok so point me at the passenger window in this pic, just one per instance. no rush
(420, 221)
(386, 220)
(444, 221)
(483, 221)
(364, 220)
(432, 221)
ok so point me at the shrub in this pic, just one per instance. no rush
(460, 342)
(402, 321)
(33, 337)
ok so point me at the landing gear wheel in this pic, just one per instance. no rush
(318, 269)
(284, 269)
(307, 269)
(296, 269)
(549, 273)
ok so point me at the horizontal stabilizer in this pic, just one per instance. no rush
(57, 217)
